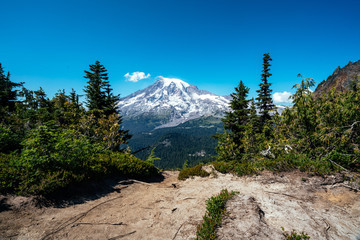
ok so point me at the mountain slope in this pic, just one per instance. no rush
(341, 79)
(169, 102)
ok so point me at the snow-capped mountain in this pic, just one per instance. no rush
(169, 102)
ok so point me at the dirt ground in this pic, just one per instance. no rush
(171, 209)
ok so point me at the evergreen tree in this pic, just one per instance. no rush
(230, 142)
(236, 119)
(97, 81)
(101, 103)
(264, 100)
(251, 131)
(74, 98)
(8, 95)
(111, 101)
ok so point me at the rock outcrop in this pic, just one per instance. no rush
(342, 79)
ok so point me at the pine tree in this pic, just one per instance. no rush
(230, 142)
(251, 134)
(101, 103)
(264, 100)
(97, 81)
(111, 101)
(8, 95)
(236, 119)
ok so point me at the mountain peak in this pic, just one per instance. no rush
(170, 102)
(178, 82)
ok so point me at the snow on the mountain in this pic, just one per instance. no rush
(175, 98)
(179, 83)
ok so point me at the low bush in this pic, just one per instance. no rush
(223, 167)
(295, 236)
(194, 171)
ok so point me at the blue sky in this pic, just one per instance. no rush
(211, 44)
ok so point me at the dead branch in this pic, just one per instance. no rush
(121, 236)
(130, 181)
(338, 165)
(87, 223)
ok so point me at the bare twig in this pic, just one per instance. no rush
(178, 230)
(129, 181)
(121, 236)
(87, 223)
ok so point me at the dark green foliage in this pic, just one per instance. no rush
(223, 167)
(230, 145)
(101, 102)
(264, 100)
(215, 209)
(9, 140)
(191, 172)
(316, 135)
(47, 145)
(235, 120)
(95, 90)
(127, 165)
(8, 94)
(53, 158)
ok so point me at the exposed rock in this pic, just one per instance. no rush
(321, 207)
(341, 79)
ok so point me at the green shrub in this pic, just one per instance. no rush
(10, 173)
(215, 209)
(223, 167)
(130, 166)
(52, 159)
(245, 168)
(9, 140)
(295, 236)
(194, 171)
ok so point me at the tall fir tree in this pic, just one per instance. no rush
(97, 81)
(264, 100)
(102, 102)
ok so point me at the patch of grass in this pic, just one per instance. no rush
(194, 171)
(294, 235)
(215, 209)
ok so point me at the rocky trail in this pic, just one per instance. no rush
(171, 209)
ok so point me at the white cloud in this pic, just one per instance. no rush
(282, 97)
(136, 76)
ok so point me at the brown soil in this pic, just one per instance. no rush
(172, 209)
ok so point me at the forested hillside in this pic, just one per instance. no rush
(191, 141)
